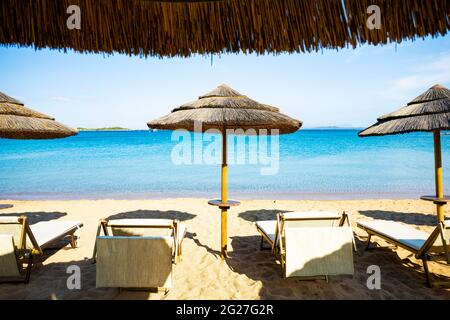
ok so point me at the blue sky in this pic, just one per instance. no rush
(329, 88)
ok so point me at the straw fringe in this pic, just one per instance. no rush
(217, 111)
(20, 122)
(176, 28)
(228, 119)
(20, 110)
(8, 99)
(429, 111)
(429, 122)
(17, 127)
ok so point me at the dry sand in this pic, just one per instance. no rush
(248, 273)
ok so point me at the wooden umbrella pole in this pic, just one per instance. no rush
(224, 196)
(438, 173)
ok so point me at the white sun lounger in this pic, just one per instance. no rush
(20, 243)
(423, 245)
(310, 245)
(141, 250)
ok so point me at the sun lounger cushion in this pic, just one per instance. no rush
(268, 228)
(141, 222)
(307, 215)
(134, 262)
(447, 231)
(45, 233)
(312, 219)
(9, 219)
(406, 235)
(8, 261)
(320, 251)
(306, 219)
(10, 226)
(137, 227)
(48, 232)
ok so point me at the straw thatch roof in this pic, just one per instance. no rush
(225, 108)
(174, 27)
(20, 122)
(429, 111)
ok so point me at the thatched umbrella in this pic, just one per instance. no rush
(226, 109)
(428, 112)
(182, 28)
(19, 122)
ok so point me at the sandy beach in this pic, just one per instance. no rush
(248, 273)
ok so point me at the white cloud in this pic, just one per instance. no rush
(421, 77)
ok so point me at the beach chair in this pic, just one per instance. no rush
(141, 252)
(425, 246)
(310, 245)
(21, 244)
(134, 262)
(145, 227)
(269, 229)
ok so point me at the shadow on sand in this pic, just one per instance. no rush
(400, 279)
(420, 219)
(35, 217)
(153, 214)
(193, 237)
(49, 282)
(260, 215)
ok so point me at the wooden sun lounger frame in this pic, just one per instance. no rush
(27, 256)
(104, 224)
(423, 253)
(277, 246)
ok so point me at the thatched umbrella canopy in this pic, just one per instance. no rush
(182, 28)
(20, 122)
(224, 109)
(428, 112)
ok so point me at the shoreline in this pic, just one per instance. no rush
(242, 196)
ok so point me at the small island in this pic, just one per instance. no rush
(104, 129)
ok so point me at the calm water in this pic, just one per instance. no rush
(313, 164)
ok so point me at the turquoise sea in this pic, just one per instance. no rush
(313, 164)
